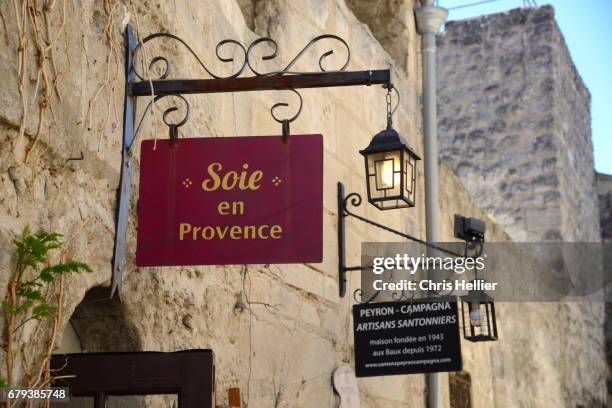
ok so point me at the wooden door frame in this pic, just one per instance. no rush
(190, 374)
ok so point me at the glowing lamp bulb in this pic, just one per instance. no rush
(475, 315)
(387, 173)
(384, 173)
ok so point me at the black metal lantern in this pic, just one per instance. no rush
(390, 166)
(478, 317)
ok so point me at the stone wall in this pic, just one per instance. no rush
(604, 190)
(278, 331)
(514, 124)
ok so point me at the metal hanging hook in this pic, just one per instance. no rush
(172, 126)
(173, 134)
(286, 131)
(285, 122)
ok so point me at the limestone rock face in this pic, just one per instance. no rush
(278, 331)
(392, 23)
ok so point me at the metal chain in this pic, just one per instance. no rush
(389, 110)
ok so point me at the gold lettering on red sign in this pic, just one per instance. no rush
(188, 231)
(231, 179)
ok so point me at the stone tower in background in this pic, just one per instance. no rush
(514, 124)
(604, 188)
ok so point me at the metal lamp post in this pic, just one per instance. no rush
(429, 21)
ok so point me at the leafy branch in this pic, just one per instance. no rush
(27, 298)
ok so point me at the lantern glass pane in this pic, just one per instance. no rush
(384, 174)
(478, 321)
(409, 174)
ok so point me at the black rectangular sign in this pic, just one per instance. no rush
(406, 337)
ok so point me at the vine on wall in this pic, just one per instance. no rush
(112, 75)
(40, 27)
(34, 20)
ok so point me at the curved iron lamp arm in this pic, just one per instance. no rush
(355, 200)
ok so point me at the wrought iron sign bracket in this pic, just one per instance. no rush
(125, 188)
(272, 82)
(139, 84)
(354, 199)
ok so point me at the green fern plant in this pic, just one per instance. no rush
(27, 298)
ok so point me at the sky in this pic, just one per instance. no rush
(586, 27)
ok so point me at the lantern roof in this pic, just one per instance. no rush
(477, 296)
(387, 140)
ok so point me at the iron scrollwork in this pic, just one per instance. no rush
(173, 126)
(287, 70)
(247, 58)
(353, 199)
(358, 296)
(166, 64)
(396, 295)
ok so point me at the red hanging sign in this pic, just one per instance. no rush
(231, 200)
